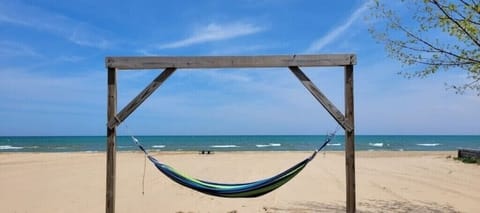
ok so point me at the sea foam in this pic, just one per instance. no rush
(268, 145)
(376, 144)
(224, 146)
(334, 144)
(428, 144)
(158, 146)
(10, 147)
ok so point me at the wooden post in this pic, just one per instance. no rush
(349, 140)
(111, 137)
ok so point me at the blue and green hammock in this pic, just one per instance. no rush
(240, 190)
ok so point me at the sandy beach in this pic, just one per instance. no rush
(386, 182)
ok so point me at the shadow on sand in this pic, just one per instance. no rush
(367, 207)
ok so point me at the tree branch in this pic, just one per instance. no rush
(433, 47)
(465, 3)
(459, 21)
(435, 2)
(475, 4)
(463, 18)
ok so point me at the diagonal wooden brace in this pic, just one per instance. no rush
(140, 98)
(327, 104)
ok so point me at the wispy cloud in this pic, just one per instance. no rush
(11, 49)
(215, 32)
(72, 30)
(339, 30)
(70, 58)
(253, 48)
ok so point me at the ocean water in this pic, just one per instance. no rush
(240, 143)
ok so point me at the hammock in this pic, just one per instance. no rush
(240, 190)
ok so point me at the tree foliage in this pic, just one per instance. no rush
(432, 35)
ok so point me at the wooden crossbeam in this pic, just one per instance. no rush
(140, 98)
(321, 98)
(194, 62)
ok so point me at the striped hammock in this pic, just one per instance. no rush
(240, 190)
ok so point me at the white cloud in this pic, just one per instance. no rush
(72, 30)
(10, 49)
(339, 30)
(215, 32)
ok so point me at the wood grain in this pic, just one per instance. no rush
(111, 137)
(195, 62)
(350, 139)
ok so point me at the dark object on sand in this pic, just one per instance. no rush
(469, 153)
(205, 152)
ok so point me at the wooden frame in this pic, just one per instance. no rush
(170, 64)
(196, 62)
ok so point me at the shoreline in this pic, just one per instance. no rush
(238, 151)
(239, 143)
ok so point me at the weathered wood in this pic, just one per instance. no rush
(161, 62)
(321, 98)
(469, 153)
(172, 63)
(350, 140)
(111, 137)
(140, 98)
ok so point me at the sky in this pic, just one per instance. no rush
(53, 75)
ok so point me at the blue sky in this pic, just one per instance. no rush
(53, 76)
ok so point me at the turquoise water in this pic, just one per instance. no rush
(239, 143)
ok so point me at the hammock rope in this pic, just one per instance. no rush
(233, 190)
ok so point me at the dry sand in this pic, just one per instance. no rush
(386, 182)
